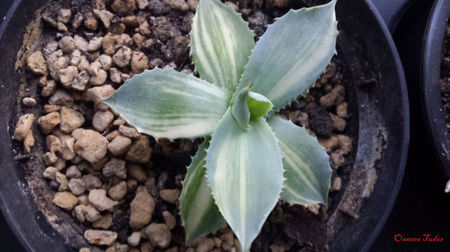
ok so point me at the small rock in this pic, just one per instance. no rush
(91, 181)
(140, 151)
(65, 200)
(114, 75)
(80, 81)
(56, 61)
(159, 235)
(75, 57)
(84, 63)
(23, 126)
(98, 198)
(49, 158)
(139, 62)
(102, 119)
(67, 75)
(104, 16)
(118, 28)
(329, 143)
(169, 219)
(122, 57)
(109, 43)
(104, 222)
(135, 171)
(64, 15)
(90, 22)
(105, 61)
(94, 44)
(119, 145)
(80, 43)
(48, 122)
(345, 144)
(67, 44)
(129, 131)
(337, 184)
(339, 124)
(205, 245)
(87, 212)
(90, 144)
(70, 119)
(141, 210)
(113, 134)
(142, 4)
(29, 101)
(227, 241)
(36, 63)
(144, 28)
(314, 208)
(335, 97)
(134, 239)
(76, 186)
(97, 94)
(84, 250)
(180, 5)
(77, 20)
(124, 7)
(115, 167)
(170, 195)
(99, 78)
(100, 237)
(48, 89)
(62, 181)
(73, 172)
(118, 191)
(61, 98)
(67, 147)
(60, 164)
(51, 108)
(50, 173)
(342, 110)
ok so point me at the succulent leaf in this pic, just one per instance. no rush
(240, 110)
(245, 172)
(258, 105)
(292, 54)
(307, 165)
(221, 43)
(170, 104)
(199, 213)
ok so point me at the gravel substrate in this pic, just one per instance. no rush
(120, 186)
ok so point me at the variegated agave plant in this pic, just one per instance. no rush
(250, 157)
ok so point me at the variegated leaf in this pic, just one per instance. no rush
(170, 104)
(292, 54)
(221, 43)
(199, 213)
(306, 163)
(240, 109)
(245, 172)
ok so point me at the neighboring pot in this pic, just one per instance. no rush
(383, 134)
(430, 87)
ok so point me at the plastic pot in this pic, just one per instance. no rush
(430, 86)
(382, 116)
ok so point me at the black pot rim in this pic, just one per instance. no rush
(430, 88)
(406, 127)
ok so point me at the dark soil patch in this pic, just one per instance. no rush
(445, 76)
